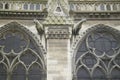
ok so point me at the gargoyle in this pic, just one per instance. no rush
(77, 27)
(39, 26)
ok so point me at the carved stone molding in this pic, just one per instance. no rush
(113, 15)
(22, 15)
(95, 27)
(16, 26)
(78, 56)
(58, 32)
(28, 51)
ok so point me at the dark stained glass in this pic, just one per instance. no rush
(117, 59)
(99, 74)
(99, 54)
(3, 72)
(1, 6)
(83, 74)
(31, 6)
(37, 6)
(102, 43)
(26, 6)
(108, 7)
(89, 60)
(102, 7)
(18, 51)
(19, 73)
(28, 57)
(6, 6)
(35, 72)
(115, 74)
(13, 42)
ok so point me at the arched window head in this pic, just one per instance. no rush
(102, 7)
(21, 55)
(32, 6)
(25, 6)
(6, 6)
(114, 6)
(98, 51)
(98, 73)
(1, 5)
(38, 7)
(108, 7)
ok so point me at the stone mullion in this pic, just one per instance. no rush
(10, 6)
(3, 6)
(105, 7)
(28, 6)
(22, 7)
(9, 74)
(117, 6)
(111, 6)
(34, 6)
(43, 6)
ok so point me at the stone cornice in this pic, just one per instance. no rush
(58, 32)
(26, 0)
(58, 20)
(22, 14)
(92, 1)
(101, 15)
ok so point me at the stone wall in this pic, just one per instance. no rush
(58, 57)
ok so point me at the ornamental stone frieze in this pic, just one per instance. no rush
(58, 27)
(95, 9)
(58, 32)
(58, 24)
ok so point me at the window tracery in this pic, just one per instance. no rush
(21, 57)
(98, 56)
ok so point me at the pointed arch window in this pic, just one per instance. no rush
(98, 55)
(102, 7)
(1, 5)
(108, 6)
(83, 74)
(38, 6)
(21, 57)
(115, 7)
(32, 6)
(25, 6)
(3, 72)
(6, 6)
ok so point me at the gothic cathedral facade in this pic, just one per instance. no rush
(59, 39)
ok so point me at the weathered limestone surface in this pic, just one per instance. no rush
(57, 59)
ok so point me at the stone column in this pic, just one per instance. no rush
(58, 56)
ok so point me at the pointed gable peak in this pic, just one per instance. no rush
(58, 10)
